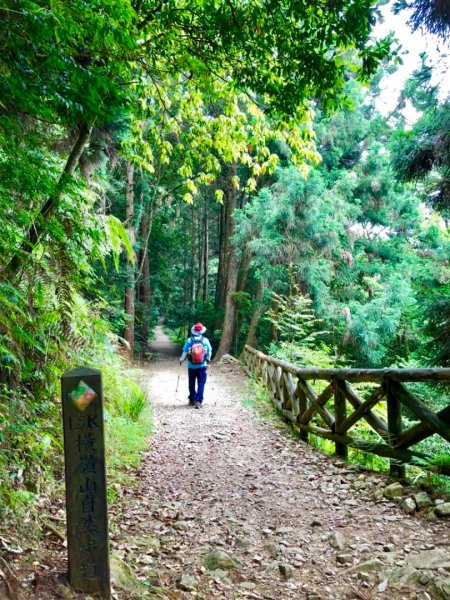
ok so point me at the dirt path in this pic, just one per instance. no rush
(220, 479)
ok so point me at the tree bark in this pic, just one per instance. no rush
(243, 269)
(144, 289)
(205, 253)
(221, 281)
(193, 248)
(200, 253)
(231, 269)
(36, 230)
(259, 310)
(130, 291)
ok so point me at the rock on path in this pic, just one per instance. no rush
(288, 521)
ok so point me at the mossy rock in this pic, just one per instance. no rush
(219, 559)
(122, 576)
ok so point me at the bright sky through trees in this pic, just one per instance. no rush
(413, 44)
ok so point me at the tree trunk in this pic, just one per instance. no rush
(131, 280)
(193, 248)
(205, 252)
(35, 231)
(223, 251)
(231, 269)
(259, 310)
(144, 289)
(243, 269)
(201, 260)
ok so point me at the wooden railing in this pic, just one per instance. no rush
(291, 391)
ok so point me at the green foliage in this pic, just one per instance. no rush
(299, 331)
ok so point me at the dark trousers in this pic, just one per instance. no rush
(197, 376)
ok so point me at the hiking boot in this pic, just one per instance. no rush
(198, 405)
(191, 402)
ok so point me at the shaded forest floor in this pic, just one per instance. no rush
(221, 479)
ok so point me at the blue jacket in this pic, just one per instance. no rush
(194, 339)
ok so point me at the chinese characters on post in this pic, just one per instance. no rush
(86, 504)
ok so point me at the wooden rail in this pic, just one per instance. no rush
(327, 415)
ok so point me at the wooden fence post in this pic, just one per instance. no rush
(86, 501)
(394, 417)
(340, 414)
(303, 407)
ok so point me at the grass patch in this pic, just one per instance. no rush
(177, 336)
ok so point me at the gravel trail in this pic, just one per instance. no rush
(219, 478)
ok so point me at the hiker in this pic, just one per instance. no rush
(198, 350)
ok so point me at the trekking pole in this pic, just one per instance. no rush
(178, 381)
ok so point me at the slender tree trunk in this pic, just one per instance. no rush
(240, 287)
(205, 253)
(144, 285)
(131, 279)
(243, 269)
(193, 247)
(259, 310)
(223, 252)
(274, 327)
(201, 261)
(231, 270)
(37, 229)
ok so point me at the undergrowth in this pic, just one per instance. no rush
(31, 440)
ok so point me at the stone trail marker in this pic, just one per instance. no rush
(86, 501)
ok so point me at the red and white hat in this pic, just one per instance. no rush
(198, 329)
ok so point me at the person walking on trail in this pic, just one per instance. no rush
(198, 350)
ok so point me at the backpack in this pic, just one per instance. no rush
(197, 353)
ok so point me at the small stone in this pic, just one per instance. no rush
(439, 501)
(337, 541)
(284, 530)
(382, 587)
(404, 576)
(286, 571)
(443, 510)
(430, 559)
(408, 506)
(219, 574)
(219, 559)
(273, 550)
(187, 583)
(431, 515)
(423, 500)
(329, 572)
(122, 576)
(366, 567)
(440, 590)
(316, 523)
(344, 559)
(394, 491)
(247, 585)
(180, 525)
(243, 543)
